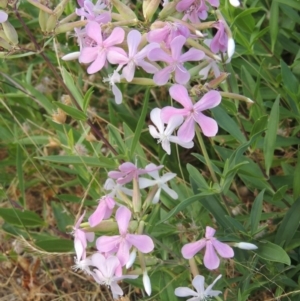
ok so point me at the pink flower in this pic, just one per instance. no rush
(211, 260)
(192, 112)
(128, 172)
(80, 239)
(220, 40)
(193, 9)
(134, 58)
(175, 61)
(123, 242)
(106, 273)
(103, 211)
(97, 55)
(163, 135)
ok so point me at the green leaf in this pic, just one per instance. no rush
(290, 82)
(63, 219)
(115, 135)
(72, 87)
(75, 113)
(270, 138)
(24, 218)
(256, 211)
(272, 252)
(296, 179)
(55, 245)
(289, 224)
(197, 177)
(141, 122)
(87, 97)
(19, 165)
(87, 161)
(228, 124)
(274, 25)
(291, 3)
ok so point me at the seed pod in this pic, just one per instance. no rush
(149, 8)
(10, 33)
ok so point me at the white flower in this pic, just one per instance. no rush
(245, 246)
(116, 189)
(163, 135)
(160, 182)
(201, 294)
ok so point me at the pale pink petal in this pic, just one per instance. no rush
(144, 52)
(123, 216)
(93, 30)
(167, 177)
(189, 250)
(116, 37)
(112, 263)
(156, 119)
(88, 55)
(161, 77)
(176, 140)
(209, 100)
(176, 46)
(158, 35)
(144, 183)
(77, 224)
(98, 261)
(3, 16)
(182, 76)
(180, 94)
(106, 244)
(127, 167)
(185, 292)
(156, 197)
(172, 193)
(209, 232)
(142, 242)
(79, 249)
(211, 260)
(117, 93)
(148, 67)
(168, 112)
(97, 64)
(128, 71)
(214, 3)
(183, 5)
(157, 54)
(98, 215)
(207, 124)
(223, 250)
(192, 55)
(116, 290)
(211, 292)
(123, 251)
(198, 284)
(116, 57)
(90, 236)
(133, 41)
(186, 132)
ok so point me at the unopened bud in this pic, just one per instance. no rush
(136, 197)
(245, 246)
(4, 44)
(51, 23)
(230, 47)
(131, 259)
(61, 28)
(147, 283)
(140, 81)
(71, 56)
(3, 3)
(149, 8)
(168, 10)
(43, 19)
(59, 116)
(59, 9)
(235, 3)
(216, 82)
(10, 33)
(3, 16)
(124, 10)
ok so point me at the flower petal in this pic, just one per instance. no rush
(189, 250)
(211, 260)
(123, 216)
(98, 215)
(182, 76)
(93, 30)
(174, 122)
(133, 41)
(223, 249)
(157, 54)
(209, 232)
(180, 94)
(155, 116)
(107, 244)
(209, 291)
(209, 100)
(98, 63)
(176, 46)
(186, 132)
(162, 76)
(207, 124)
(88, 55)
(198, 284)
(168, 112)
(117, 93)
(116, 37)
(142, 242)
(192, 54)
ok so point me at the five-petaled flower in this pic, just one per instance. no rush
(211, 260)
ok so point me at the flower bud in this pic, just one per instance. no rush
(131, 259)
(61, 28)
(147, 283)
(59, 9)
(4, 44)
(43, 19)
(10, 33)
(245, 246)
(71, 56)
(51, 23)
(59, 116)
(140, 81)
(235, 3)
(230, 47)
(124, 10)
(149, 8)
(168, 10)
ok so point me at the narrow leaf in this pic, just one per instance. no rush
(274, 25)
(74, 113)
(256, 211)
(270, 138)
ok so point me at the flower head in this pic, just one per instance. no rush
(211, 260)
(192, 113)
(201, 294)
